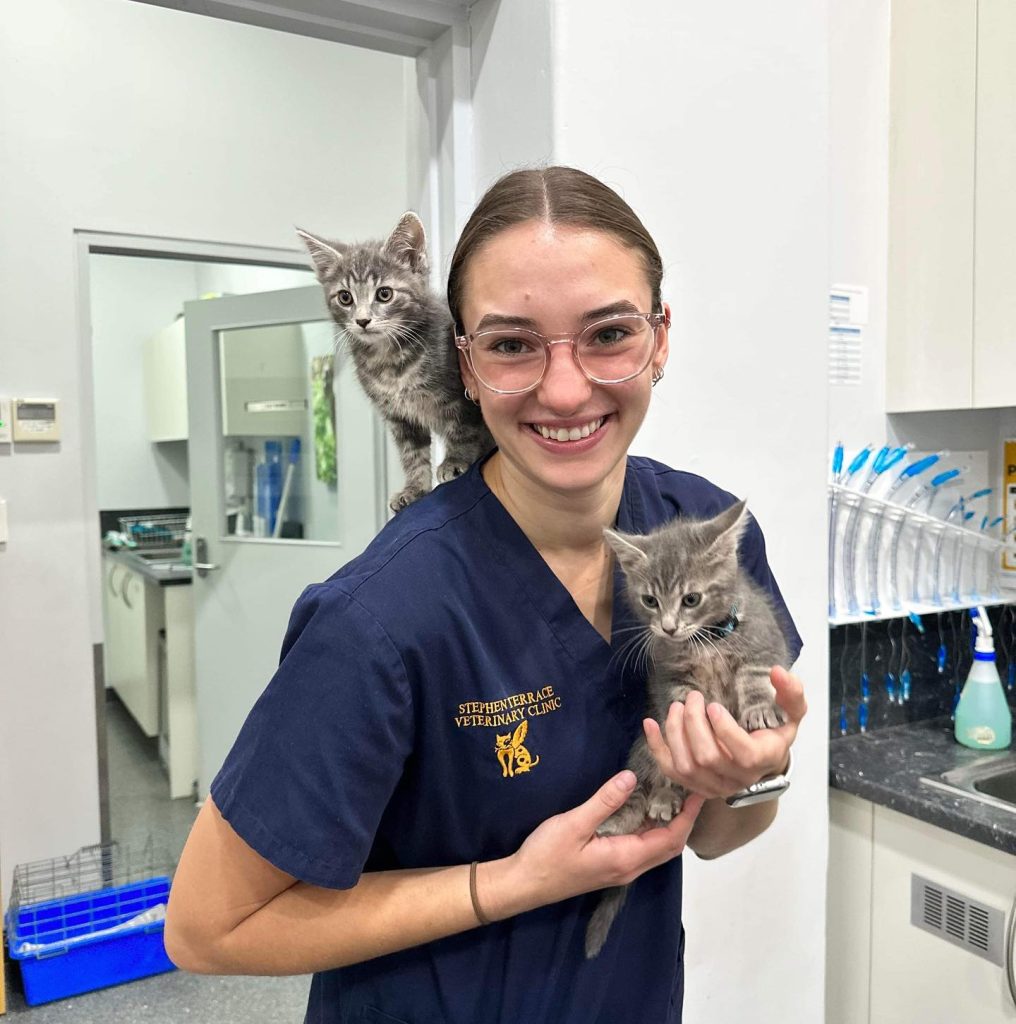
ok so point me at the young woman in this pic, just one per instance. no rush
(410, 809)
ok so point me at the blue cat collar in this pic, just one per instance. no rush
(726, 627)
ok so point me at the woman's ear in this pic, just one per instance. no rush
(468, 380)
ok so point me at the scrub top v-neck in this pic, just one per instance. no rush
(437, 699)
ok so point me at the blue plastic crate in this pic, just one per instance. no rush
(65, 946)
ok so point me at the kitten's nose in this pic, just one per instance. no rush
(670, 630)
(363, 323)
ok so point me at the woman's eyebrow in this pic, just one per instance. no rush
(504, 320)
(614, 309)
(600, 313)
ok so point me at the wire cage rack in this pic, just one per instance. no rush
(166, 531)
(90, 919)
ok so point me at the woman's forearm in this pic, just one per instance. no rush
(721, 828)
(306, 928)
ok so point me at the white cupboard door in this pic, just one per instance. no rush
(917, 975)
(995, 253)
(933, 55)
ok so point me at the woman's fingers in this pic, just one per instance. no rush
(706, 752)
(658, 746)
(688, 753)
(588, 817)
(789, 693)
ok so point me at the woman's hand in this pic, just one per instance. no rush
(704, 750)
(565, 857)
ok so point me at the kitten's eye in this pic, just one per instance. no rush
(384, 294)
(691, 600)
(649, 601)
(345, 298)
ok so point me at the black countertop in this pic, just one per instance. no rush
(885, 767)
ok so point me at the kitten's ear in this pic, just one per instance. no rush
(326, 255)
(408, 243)
(728, 526)
(629, 555)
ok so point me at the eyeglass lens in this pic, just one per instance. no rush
(609, 351)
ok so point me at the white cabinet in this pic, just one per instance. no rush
(951, 340)
(181, 728)
(134, 616)
(135, 610)
(881, 969)
(932, 103)
(165, 381)
(994, 370)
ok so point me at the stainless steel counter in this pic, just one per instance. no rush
(160, 566)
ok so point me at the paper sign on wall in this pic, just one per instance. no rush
(848, 313)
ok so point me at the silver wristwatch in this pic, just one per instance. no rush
(764, 789)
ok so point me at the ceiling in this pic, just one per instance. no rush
(404, 27)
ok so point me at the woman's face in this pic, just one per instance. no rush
(554, 276)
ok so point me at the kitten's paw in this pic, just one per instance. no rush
(625, 821)
(763, 718)
(451, 468)
(405, 498)
(665, 803)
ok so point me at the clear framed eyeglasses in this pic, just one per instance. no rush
(512, 360)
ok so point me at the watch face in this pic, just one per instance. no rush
(768, 789)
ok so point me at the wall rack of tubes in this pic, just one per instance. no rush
(887, 560)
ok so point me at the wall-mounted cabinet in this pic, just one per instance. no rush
(951, 340)
(165, 381)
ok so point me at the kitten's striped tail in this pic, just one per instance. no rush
(611, 901)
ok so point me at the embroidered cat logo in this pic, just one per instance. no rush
(512, 756)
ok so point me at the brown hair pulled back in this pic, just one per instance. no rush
(557, 195)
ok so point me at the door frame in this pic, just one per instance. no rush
(88, 243)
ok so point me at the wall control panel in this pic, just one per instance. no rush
(35, 420)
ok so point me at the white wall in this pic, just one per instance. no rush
(712, 121)
(123, 117)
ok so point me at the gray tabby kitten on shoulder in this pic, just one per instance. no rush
(709, 627)
(401, 338)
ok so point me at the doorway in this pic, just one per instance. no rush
(143, 495)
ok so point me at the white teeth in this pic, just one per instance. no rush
(573, 434)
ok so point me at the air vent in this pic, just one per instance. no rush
(956, 918)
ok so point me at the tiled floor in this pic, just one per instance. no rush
(141, 811)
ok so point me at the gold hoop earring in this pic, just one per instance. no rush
(657, 376)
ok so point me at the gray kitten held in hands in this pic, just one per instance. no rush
(709, 627)
(401, 338)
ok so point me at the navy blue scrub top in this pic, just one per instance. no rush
(436, 699)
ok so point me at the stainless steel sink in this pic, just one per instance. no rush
(990, 779)
(160, 559)
(156, 554)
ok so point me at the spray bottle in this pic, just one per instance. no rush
(983, 718)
